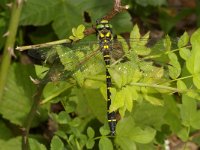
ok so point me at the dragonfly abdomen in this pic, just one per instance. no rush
(105, 37)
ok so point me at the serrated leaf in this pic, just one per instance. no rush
(167, 43)
(184, 53)
(174, 67)
(116, 77)
(105, 144)
(117, 100)
(135, 34)
(129, 98)
(90, 132)
(19, 84)
(192, 62)
(56, 143)
(124, 44)
(183, 41)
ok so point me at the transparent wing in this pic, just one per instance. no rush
(85, 58)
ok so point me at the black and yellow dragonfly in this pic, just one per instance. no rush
(139, 67)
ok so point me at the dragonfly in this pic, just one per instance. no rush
(122, 64)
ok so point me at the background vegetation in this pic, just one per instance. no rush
(74, 117)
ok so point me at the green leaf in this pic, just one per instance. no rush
(184, 53)
(56, 143)
(128, 98)
(62, 118)
(116, 77)
(181, 85)
(80, 30)
(91, 99)
(183, 134)
(64, 20)
(126, 128)
(52, 90)
(118, 99)
(183, 41)
(90, 143)
(152, 96)
(5, 132)
(120, 21)
(105, 144)
(143, 135)
(174, 67)
(188, 110)
(151, 2)
(125, 144)
(20, 84)
(195, 122)
(90, 132)
(14, 143)
(104, 130)
(35, 145)
(143, 115)
(135, 35)
(44, 14)
(192, 62)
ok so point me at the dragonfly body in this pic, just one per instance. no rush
(105, 37)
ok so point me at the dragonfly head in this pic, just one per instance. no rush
(104, 29)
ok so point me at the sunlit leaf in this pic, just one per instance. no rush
(56, 143)
(105, 144)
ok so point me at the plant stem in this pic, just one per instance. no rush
(30, 117)
(9, 45)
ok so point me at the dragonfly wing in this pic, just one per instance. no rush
(65, 60)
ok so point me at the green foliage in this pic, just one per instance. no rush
(56, 143)
(19, 82)
(64, 15)
(144, 82)
(151, 2)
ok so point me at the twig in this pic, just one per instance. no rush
(116, 9)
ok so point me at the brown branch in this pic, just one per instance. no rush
(116, 9)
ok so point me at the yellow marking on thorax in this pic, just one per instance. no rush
(101, 35)
(108, 34)
(106, 46)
